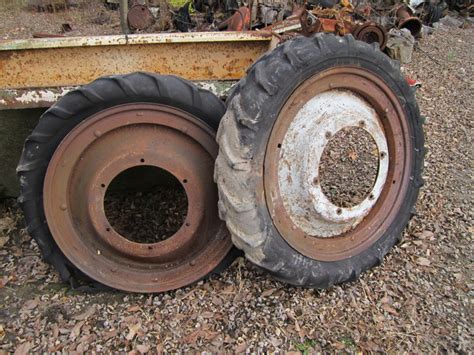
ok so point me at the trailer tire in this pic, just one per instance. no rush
(245, 139)
(76, 107)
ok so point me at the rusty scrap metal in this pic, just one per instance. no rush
(239, 21)
(407, 19)
(77, 61)
(341, 21)
(143, 134)
(371, 32)
(139, 17)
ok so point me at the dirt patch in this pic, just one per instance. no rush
(89, 18)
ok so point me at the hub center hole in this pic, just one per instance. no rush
(348, 167)
(146, 204)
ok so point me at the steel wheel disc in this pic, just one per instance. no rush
(99, 149)
(335, 99)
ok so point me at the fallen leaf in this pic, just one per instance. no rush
(133, 308)
(240, 348)
(23, 349)
(423, 261)
(86, 314)
(268, 292)
(3, 241)
(424, 235)
(192, 337)
(132, 331)
(110, 334)
(353, 155)
(389, 309)
(30, 304)
(142, 348)
(76, 330)
(4, 280)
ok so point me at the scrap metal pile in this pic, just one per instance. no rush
(371, 21)
(366, 19)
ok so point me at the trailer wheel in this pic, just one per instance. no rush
(280, 121)
(90, 137)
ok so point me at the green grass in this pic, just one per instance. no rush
(305, 346)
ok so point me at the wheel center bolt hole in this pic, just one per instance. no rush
(146, 204)
(348, 167)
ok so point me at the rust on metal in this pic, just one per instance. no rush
(239, 21)
(139, 17)
(371, 32)
(102, 147)
(46, 97)
(204, 56)
(363, 231)
(407, 19)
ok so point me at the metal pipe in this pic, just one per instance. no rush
(123, 16)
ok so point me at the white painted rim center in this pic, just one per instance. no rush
(300, 156)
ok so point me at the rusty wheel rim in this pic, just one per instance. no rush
(371, 32)
(99, 149)
(344, 239)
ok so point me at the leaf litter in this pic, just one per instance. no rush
(418, 300)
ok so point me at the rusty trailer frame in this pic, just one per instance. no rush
(35, 73)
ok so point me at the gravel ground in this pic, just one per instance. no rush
(419, 300)
(353, 152)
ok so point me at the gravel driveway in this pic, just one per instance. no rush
(419, 300)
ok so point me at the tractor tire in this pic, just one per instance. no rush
(270, 139)
(118, 112)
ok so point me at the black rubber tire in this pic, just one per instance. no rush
(253, 107)
(77, 106)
